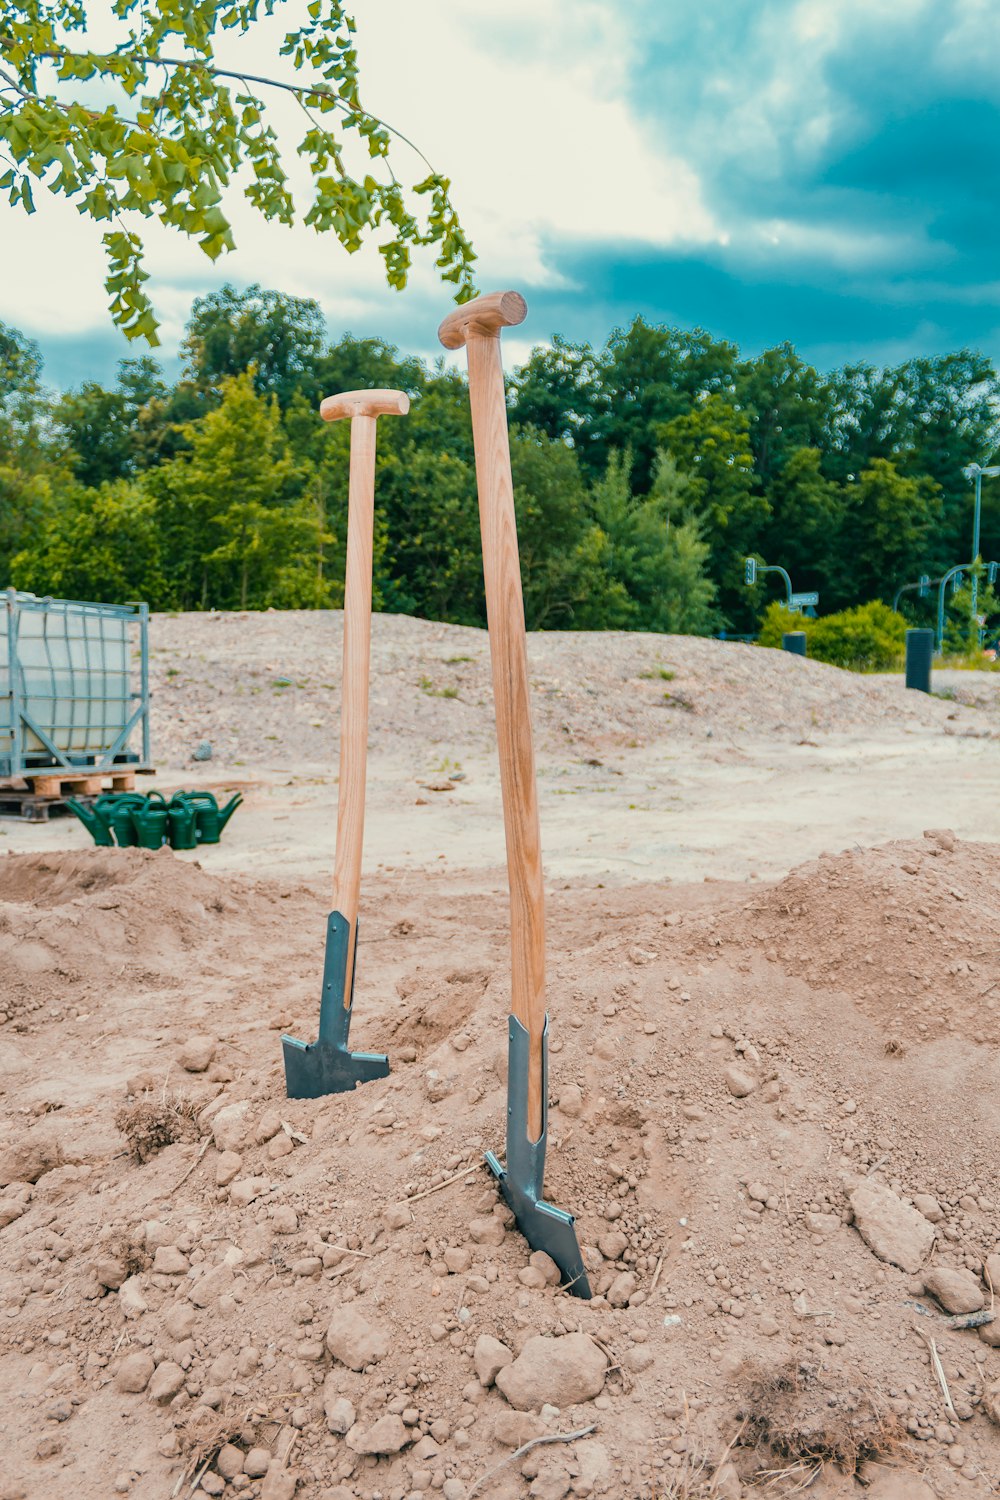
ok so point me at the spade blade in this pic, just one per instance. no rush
(328, 1066)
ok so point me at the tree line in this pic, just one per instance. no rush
(644, 472)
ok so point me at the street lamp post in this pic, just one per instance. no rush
(975, 472)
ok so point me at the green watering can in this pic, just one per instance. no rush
(118, 810)
(150, 821)
(94, 822)
(182, 819)
(210, 818)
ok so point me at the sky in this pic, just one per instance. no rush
(817, 171)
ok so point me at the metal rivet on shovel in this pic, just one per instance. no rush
(327, 1066)
(477, 325)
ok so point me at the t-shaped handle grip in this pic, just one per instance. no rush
(364, 404)
(482, 318)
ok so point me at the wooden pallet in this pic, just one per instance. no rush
(82, 783)
(23, 803)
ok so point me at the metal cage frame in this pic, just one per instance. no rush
(16, 720)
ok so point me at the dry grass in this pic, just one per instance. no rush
(792, 1415)
(150, 1124)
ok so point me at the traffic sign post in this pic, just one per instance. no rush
(803, 601)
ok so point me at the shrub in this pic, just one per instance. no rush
(868, 638)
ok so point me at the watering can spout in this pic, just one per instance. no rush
(95, 823)
(225, 813)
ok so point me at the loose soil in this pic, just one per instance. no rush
(192, 1265)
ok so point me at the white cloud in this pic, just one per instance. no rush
(525, 106)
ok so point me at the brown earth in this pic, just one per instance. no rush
(729, 1063)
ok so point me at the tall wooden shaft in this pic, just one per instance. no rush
(508, 655)
(354, 688)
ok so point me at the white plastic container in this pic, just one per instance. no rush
(68, 688)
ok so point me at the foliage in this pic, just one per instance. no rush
(962, 628)
(644, 472)
(868, 638)
(146, 119)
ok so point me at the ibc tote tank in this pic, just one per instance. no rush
(69, 693)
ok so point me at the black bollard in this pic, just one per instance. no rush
(919, 655)
(794, 641)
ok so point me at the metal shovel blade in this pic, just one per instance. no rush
(327, 1066)
(521, 1181)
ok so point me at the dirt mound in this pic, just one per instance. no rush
(906, 930)
(264, 688)
(330, 1290)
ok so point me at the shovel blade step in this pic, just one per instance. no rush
(313, 1069)
(328, 1066)
(545, 1228)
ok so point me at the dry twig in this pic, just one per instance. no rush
(938, 1368)
(466, 1171)
(554, 1437)
(204, 1147)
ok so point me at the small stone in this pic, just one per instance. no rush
(957, 1291)
(990, 1334)
(356, 1342)
(531, 1277)
(547, 1266)
(821, 1223)
(211, 1285)
(109, 1273)
(340, 1413)
(212, 1484)
(488, 1231)
(246, 1189)
(229, 1125)
(739, 1082)
(890, 1228)
(197, 1054)
(166, 1381)
(257, 1462)
(489, 1357)
(768, 1326)
(563, 1371)
(512, 1429)
(992, 1268)
(228, 1166)
(571, 1100)
(612, 1244)
(621, 1289)
(929, 1207)
(202, 751)
(134, 1372)
(397, 1216)
(991, 1402)
(168, 1261)
(387, 1435)
(457, 1259)
(130, 1299)
(179, 1322)
(638, 1359)
(284, 1219)
(280, 1146)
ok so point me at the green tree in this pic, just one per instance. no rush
(803, 532)
(238, 529)
(788, 406)
(651, 375)
(173, 128)
(654, 564)
(102, 544)
(278, 338)
(559, 392)
(889, 524)
(711, 445)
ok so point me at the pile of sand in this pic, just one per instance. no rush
(196, 1270)
(264, 688)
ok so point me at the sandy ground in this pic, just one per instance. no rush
(773, 1100)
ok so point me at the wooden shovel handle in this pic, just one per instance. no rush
(512, 705)
(363, 408)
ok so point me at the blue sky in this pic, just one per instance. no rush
(820, 171)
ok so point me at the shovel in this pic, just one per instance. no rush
(477, 325)
(327, 1066)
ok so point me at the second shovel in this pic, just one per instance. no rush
(327, 1066)
(477, 325)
